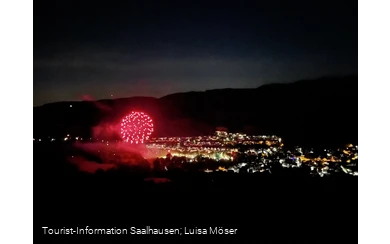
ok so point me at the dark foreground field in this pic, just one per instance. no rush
(265, 207)
(272, 209)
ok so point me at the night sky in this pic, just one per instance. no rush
(122, 49)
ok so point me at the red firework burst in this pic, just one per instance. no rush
(136, 127)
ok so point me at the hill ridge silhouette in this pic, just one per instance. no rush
(208, 90)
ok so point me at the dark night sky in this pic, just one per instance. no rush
(149, 48)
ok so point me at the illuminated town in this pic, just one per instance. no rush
(230, 152)
(222, 145)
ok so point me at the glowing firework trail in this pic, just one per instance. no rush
(98, 104)
(136, 127)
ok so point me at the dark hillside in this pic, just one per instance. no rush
(311, 112)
